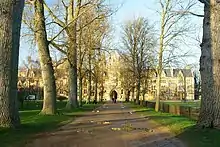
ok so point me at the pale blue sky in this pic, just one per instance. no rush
(129, 10)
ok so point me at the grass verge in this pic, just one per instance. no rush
(184, 128)
(32, 123)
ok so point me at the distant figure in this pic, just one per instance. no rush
(114, 96)
(113, 100)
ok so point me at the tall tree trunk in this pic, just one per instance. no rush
(185, 88)
(160, 57)
(90, 79)
(80, 91)
(132, 91)
(102, 91)
(72, 54)
(10, 22)
(72, 57)
(209, 67)
(96, 90)
(138, 91)
(157, 106)
(17, 19)
(49, 104)
(72, 97)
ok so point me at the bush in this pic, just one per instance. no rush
(61, 98)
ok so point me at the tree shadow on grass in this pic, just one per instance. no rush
(197, 137)
(185, 129)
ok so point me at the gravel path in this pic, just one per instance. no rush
(111, 125)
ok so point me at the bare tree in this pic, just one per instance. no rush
(173, 27)
(74, 10)
(10, 24)
(138, 41)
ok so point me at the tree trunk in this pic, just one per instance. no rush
(157, 106)
(80, 91)
(96, 91)
(10, 22)
(72, 97)
(160, 57)
(72, 55)
(90, 79)
(17, 19)
(138, 91)
(209, 67)
(49, 104)
(102, 91)
(132, 91)
(185, 88)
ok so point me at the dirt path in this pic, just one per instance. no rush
(112, 125)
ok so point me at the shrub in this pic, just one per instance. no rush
(61, 98)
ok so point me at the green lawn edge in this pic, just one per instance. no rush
(32, 123)
(184, 128)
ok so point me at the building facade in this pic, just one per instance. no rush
(176, 84)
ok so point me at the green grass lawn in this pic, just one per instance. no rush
(183, 127)
(33, 123)
(188, 104)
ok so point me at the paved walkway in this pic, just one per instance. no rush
(111, 125)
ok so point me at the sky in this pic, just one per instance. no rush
(128, 10)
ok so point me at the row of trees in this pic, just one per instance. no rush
(173, 28)
(79, 36)
(140, 40)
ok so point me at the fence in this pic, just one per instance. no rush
(190, 112)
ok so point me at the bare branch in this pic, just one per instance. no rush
(58, 47)
(56, 19)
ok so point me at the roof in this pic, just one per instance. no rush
(186, 72)
(168, 72)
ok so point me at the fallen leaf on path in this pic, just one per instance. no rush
(151, 130)
(106, 123)
(116, 129)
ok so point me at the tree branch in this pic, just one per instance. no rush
(58, 47)
(188, 12)
(56, 19)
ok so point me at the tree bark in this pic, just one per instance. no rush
(90, 79)
(96, 90)
(49, 104)
(72, 55)
(209, 67)
(80, 91)
(72, 97)
(138, 91)
(10, 24)
(157, 106)
(132, 91)
(160, 57)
